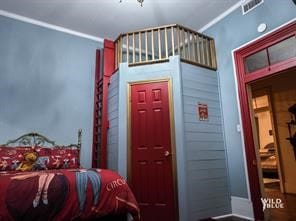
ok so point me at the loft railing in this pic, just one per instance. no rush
(157, 44)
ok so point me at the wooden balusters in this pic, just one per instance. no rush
(157, 44)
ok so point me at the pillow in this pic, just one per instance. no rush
(16, 158)
(57, 157)
(11, 157)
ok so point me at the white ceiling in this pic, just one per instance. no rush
(108, 18)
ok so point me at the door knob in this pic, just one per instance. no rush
(167, 153)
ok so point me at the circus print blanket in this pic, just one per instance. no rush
(65, 194)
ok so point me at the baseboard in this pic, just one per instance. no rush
(232, 215)
(223, 216)
(242, 207)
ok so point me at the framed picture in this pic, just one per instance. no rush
(203, 113)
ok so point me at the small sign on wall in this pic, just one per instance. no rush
(203, 112)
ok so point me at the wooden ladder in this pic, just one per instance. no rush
(101, 123)
(97, 124)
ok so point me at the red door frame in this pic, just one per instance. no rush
(244, 79)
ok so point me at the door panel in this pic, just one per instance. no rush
(151, 160)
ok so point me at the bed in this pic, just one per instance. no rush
(40, 180)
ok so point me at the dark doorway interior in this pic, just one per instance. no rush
(271, 99)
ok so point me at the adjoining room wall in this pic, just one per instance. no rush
(207, 178)
(46, 84)
(230, 33)
(113, 107)
(265, 126)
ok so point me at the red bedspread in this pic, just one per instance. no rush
(64, 195)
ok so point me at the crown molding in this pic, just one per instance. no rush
(49, 26)
(220, 17)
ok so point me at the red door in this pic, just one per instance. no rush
(151, 159)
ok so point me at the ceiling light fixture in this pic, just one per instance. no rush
(140, 1)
